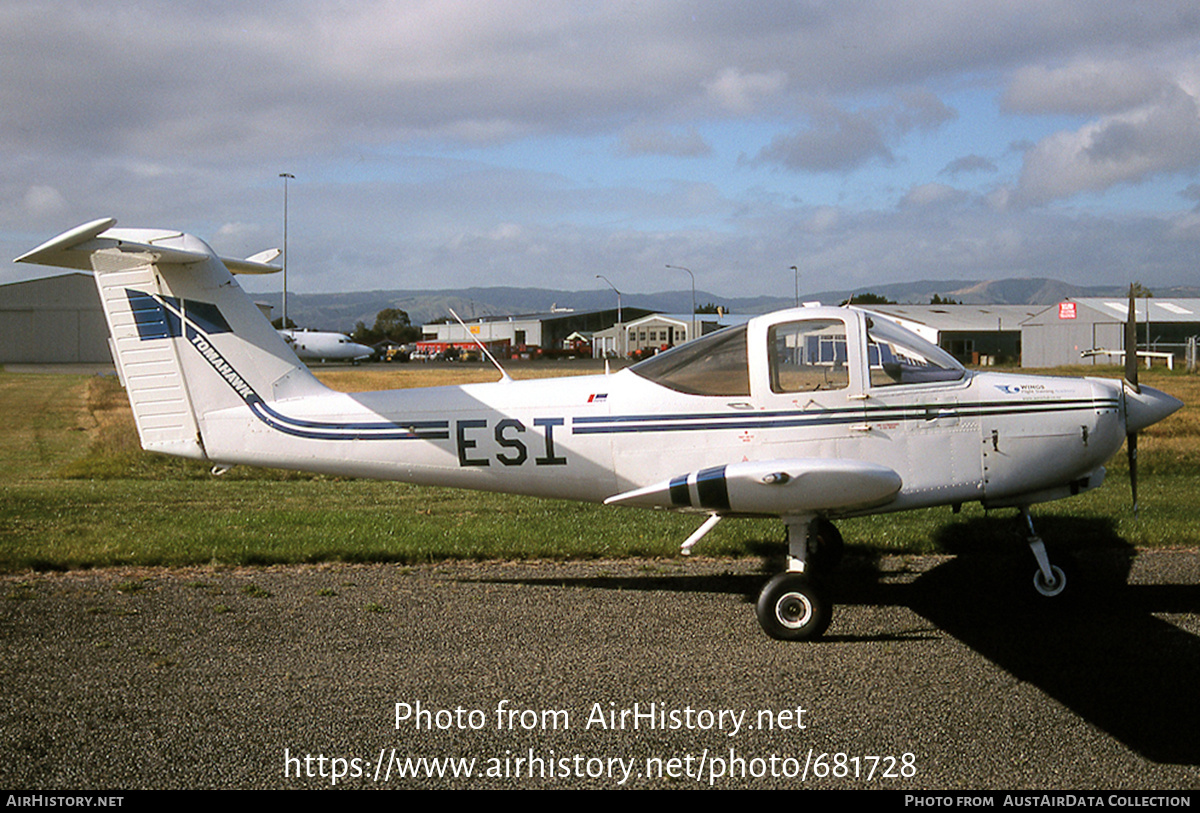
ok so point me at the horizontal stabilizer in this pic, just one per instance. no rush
(54, 251)
(129, 248)
(772, 488)
(258, 264)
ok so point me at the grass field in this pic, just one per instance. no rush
(77, 491)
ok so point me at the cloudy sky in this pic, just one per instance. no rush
(447, 143)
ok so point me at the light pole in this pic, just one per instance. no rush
(796, 271)
(692, 329)
(285, 176)
(620, 325)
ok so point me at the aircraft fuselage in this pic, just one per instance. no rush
(983, 436)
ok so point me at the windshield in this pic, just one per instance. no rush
(897, 356)
(711, 365)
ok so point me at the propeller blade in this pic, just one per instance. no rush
(1131, 380)
(1131, 360)
(1131, 448)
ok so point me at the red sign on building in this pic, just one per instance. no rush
(1066, 310)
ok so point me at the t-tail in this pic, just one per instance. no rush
(162, 290)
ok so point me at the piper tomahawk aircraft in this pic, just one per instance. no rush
(807, 415)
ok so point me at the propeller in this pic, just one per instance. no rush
(1131, 381)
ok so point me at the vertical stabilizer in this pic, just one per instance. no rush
(148, 365)
(186, 339)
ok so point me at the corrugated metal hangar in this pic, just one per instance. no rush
(1063, 333)
(973, 334)
(52, 320)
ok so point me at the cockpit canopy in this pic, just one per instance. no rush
(715, 364)
(805, 354)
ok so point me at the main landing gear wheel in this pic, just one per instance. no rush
(791, 608)
(1052, 588)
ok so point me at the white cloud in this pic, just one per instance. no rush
(1162, 136)
(967, 164)
(44, 200)
(506, 232)
(825, 218)
(1086, 88)
(930, 194)
(740, 92)
(838, 140)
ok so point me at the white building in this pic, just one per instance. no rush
(547, 331)
(657, 331)
(1063, 333)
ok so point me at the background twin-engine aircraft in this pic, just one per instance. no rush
(325, 345)
(806, 415)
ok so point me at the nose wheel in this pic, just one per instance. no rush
(1050, 587)
(1048, 580)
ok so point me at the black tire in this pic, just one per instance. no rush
(791, 608)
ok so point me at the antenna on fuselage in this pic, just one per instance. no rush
(504, 376)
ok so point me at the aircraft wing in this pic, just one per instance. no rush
(771, 488)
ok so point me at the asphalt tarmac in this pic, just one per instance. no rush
(936, 673)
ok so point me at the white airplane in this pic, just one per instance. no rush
(807, 415)
(323, 345)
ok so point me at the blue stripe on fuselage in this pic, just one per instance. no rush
(786, 419)
(165, 317)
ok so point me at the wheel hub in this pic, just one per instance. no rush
(793, 610)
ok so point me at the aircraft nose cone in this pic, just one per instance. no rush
(1147, 407)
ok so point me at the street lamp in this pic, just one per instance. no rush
(620, 325)
(285, 176)
(692, 329)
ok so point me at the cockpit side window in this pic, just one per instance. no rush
(711, 365)
(807, 356)
(897, 356)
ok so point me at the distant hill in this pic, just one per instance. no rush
(1022, 291)
(342, 311)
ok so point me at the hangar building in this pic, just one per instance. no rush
(973, 334)
(1060, 334)
(53, 320)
